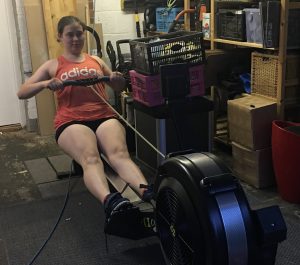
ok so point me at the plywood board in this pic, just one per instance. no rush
(42, 17)
(81, 9)
(53, 11)
(39, 54)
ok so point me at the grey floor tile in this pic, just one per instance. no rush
(41, 170)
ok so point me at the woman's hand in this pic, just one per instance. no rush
(117, 81)
(116, 77)
(55, 84)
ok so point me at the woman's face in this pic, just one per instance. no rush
(72, 38)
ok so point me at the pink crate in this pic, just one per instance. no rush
(197, 87)
(148, 98)
(146, 88)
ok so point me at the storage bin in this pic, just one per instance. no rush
(146, 88)
(165, 17)
(293, 37)
(270, 16)
(246, 79)
(286, 159)
(270, 11)
(178, 47)
(265, 74)
(253, 25)
(231, 24)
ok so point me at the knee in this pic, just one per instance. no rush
(118, 155)
(90, 159)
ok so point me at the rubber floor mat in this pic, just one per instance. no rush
(79, 238)
(3, 253)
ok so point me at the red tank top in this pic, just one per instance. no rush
(78, 103)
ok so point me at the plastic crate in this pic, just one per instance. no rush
(165, 17)
(293, 38)
(265, 72)
(146, 88)
(270, 16)
(178, 47)
(231, 24)
(197, 86)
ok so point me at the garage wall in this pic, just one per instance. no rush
(10, 71)
(30, 104)
(116, 23)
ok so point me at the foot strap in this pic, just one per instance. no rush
(128, 223)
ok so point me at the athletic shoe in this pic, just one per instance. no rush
(114, 202)
(148, 194)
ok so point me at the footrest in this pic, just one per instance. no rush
(130, 223)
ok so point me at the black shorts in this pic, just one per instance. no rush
(93, 125)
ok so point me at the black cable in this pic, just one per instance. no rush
(57, 222)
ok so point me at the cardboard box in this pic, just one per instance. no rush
(250, 121)
(253, 167)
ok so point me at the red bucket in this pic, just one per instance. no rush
(286, 159)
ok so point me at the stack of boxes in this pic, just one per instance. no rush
(148, 54)
(147, 88)
(250, 122)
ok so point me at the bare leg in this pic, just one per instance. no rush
(80, 143)
(112, 140)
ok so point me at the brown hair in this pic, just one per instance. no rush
(67, 20)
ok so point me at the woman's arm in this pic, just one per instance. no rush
(40, 80)
(117, 81)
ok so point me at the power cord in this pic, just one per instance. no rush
(57, 222)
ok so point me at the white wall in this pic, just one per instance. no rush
(25, 55)
(10, 70)
(24, 46)
(117, 24)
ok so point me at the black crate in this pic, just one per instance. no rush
(179, 47)
(231, 24)
(293, 38)
(270, 18)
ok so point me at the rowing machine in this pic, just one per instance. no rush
(201, 216)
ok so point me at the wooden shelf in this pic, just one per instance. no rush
(294, 5)
(281, 50)
(292, 104)
(223, 140)
(239, 43)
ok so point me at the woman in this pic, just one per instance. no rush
(84, 124)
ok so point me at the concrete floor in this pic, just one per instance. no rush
(17, 185)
